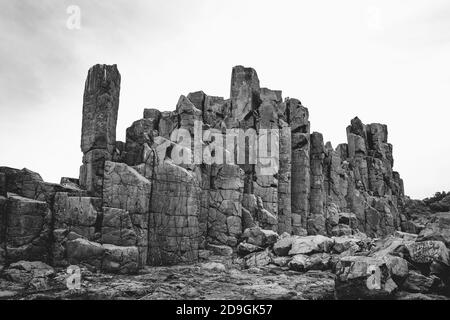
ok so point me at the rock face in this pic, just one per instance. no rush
(98, 132)
(224, 222)
(173, 219)
(26, 229)
(226, 175)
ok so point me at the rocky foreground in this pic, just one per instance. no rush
(317, 222)
(266, 266)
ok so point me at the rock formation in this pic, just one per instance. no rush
(240, 176)
(132, 194)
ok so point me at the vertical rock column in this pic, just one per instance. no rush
(98, 133)
(284, 180)
(245, 100)
(285, 170)
(336, 183)
(379, 160)
(189, 117)
(265, 184)
(300, 183)
(173, 222)
(225, 205)
(357, 150)
(316, 219)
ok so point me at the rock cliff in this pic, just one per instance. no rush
(242, 177)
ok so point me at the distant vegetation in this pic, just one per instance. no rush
(440, 202)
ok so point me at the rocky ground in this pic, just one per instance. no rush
(211, 280)
(266, 266)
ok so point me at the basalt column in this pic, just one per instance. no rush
(265, 184)
(244, 95)
(301, 181)
(357, 151)
(284, 173)
(316, 219)
(98, 133)
(379, 161)
(173, 232)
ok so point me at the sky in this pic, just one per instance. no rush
(384, 61)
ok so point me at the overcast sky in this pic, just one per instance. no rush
(384, 61)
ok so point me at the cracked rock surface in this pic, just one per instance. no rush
(304, 221)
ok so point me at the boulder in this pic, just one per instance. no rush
(82, 251)
(260, 237)
(418, 283)
(342, 244)
(220, 250)
(26, 229)
(258, 259)
(281, 261)
(437, 229)
(317, 261)
(398, 268)
(283, 246)
(427, 252)
(359, 277)
(245, 248)
(124, 260)
(60, 238)
(310, 244)
(32, 273)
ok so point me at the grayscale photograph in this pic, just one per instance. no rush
(228, 156)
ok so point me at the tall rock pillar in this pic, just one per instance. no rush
(244, 96)
(265, 184)
(300, 180)
(316, 219)
(98, 133)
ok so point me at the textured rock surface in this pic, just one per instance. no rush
(300, 165)
(78, 214)
(225, 205)
(363, 277)
(25, 229)
(33, 274)
(276, 228)
(98, 133)
(173, 219)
